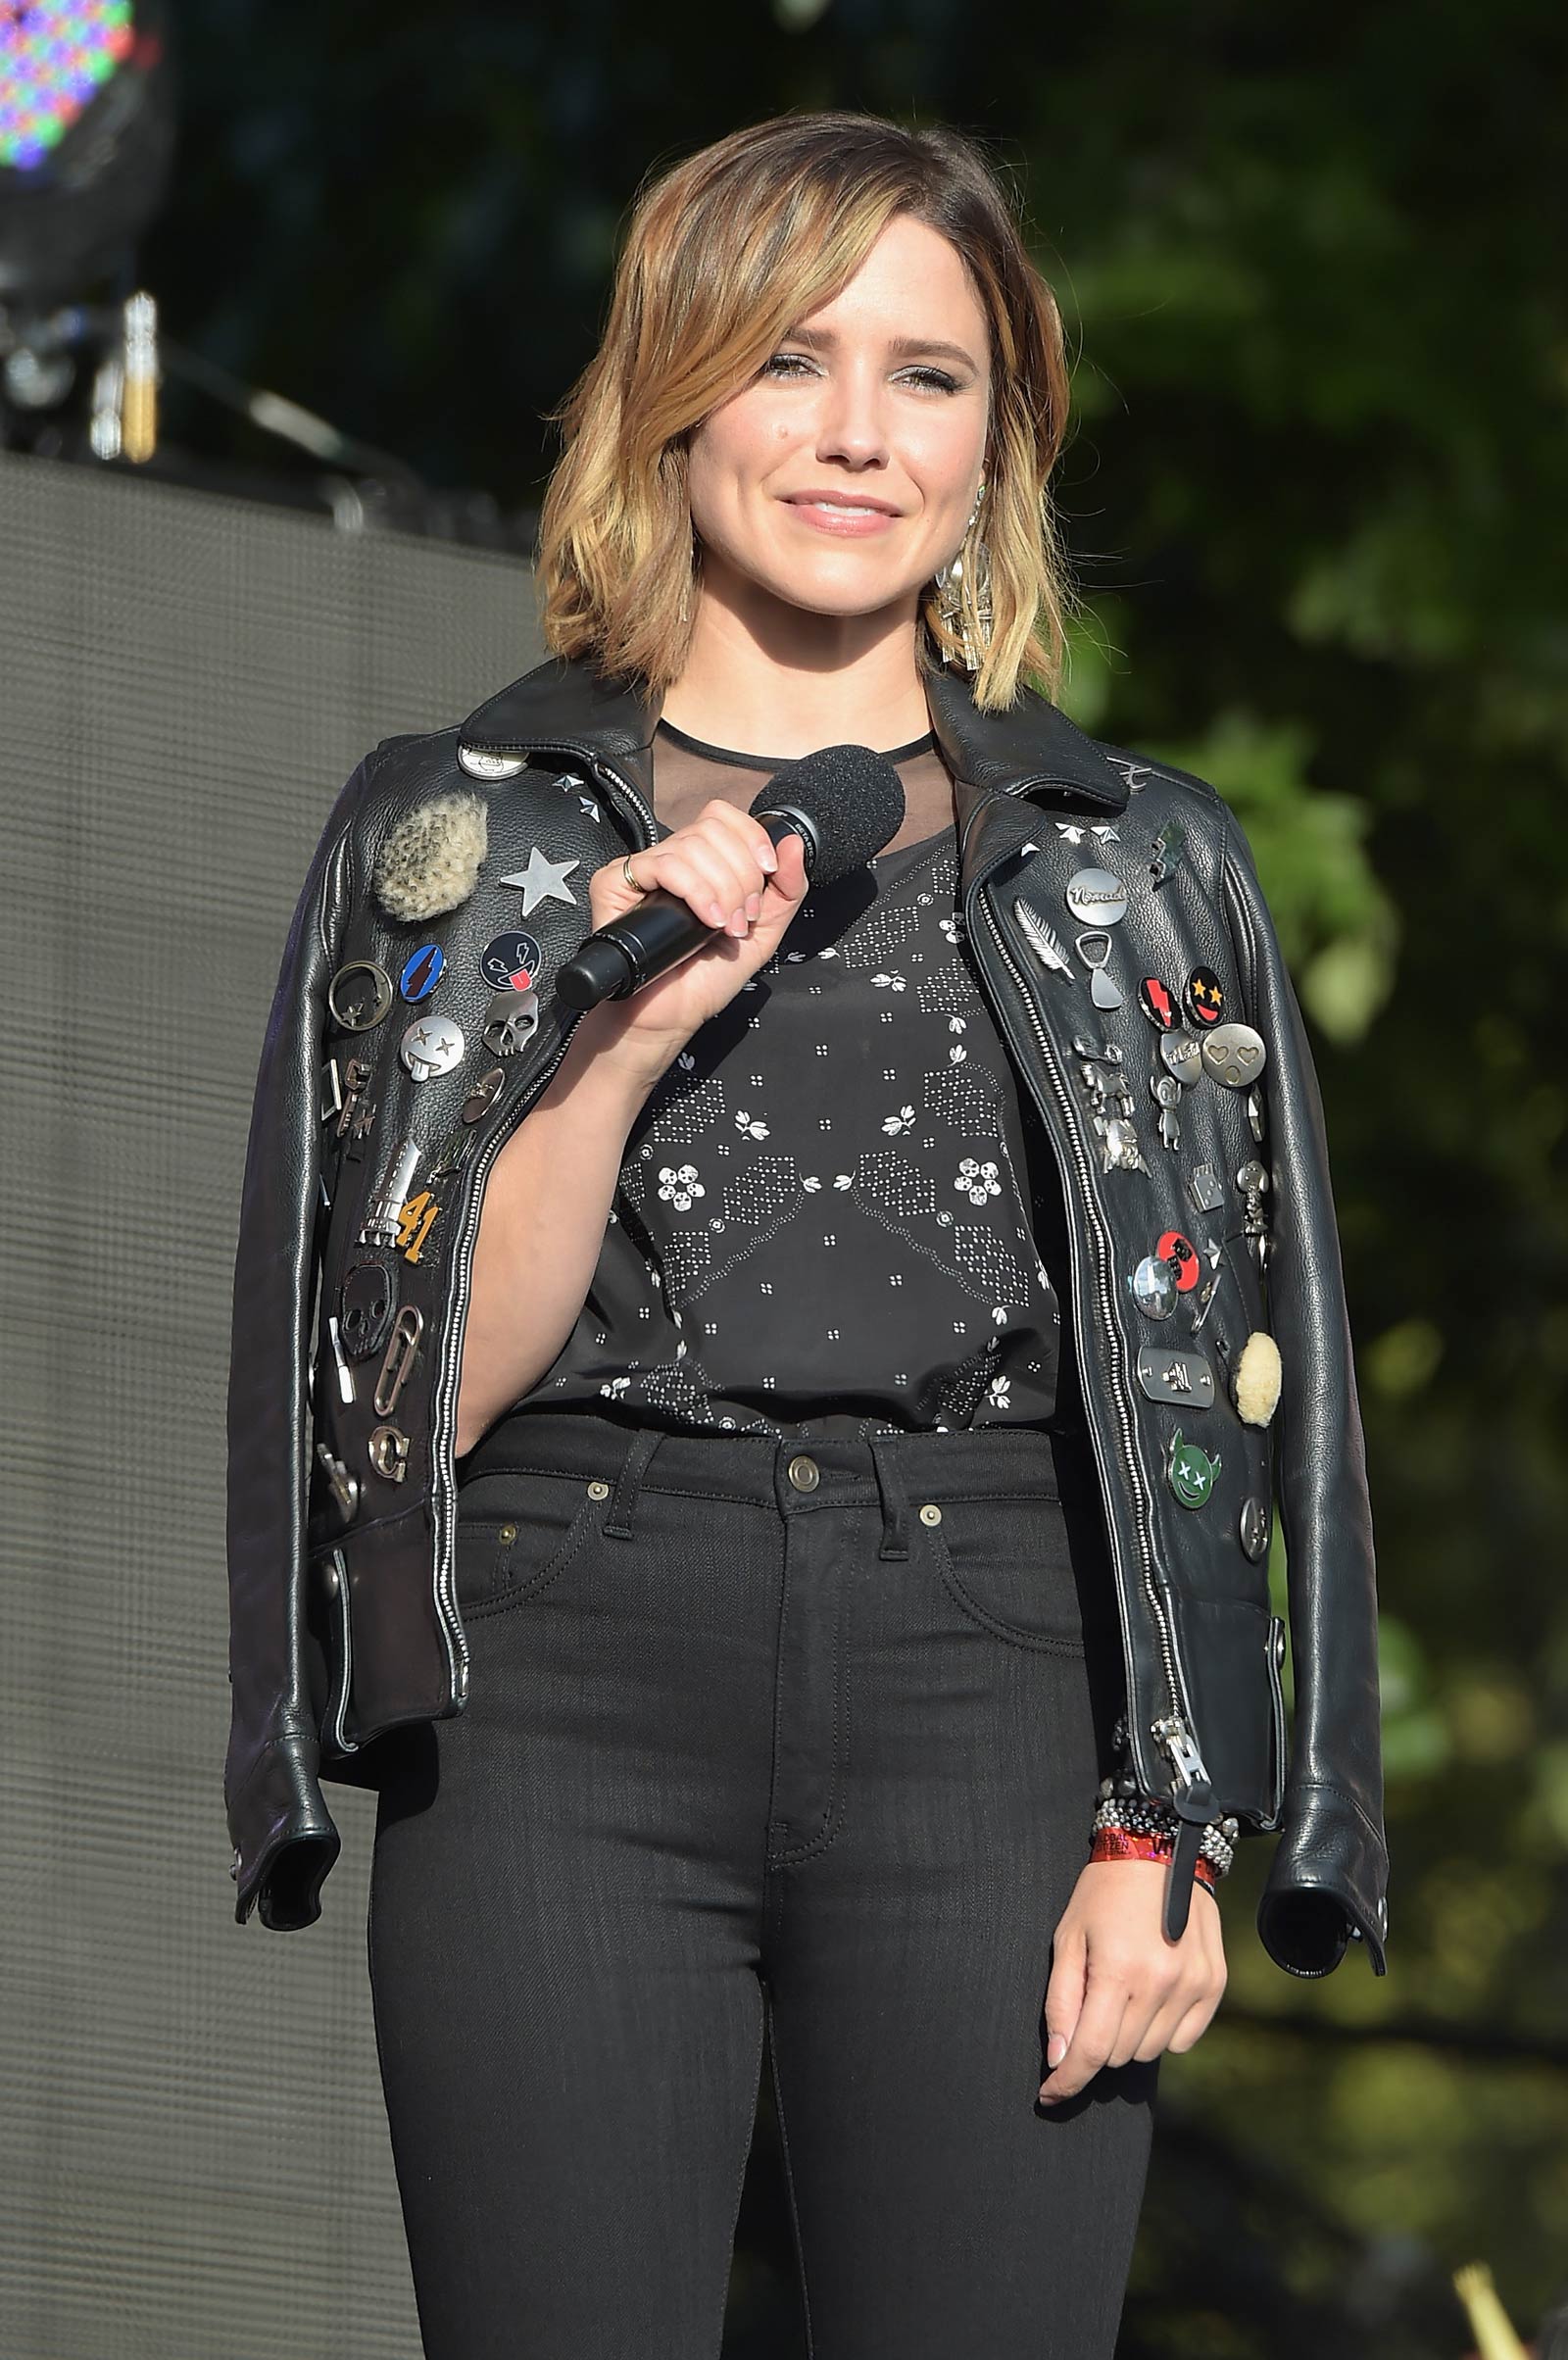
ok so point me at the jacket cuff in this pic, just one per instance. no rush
(284, 1839)
(1326, 1885)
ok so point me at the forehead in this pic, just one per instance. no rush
(912, 280)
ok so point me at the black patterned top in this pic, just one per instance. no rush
(829, 1205)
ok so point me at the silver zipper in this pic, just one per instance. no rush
(338, 1580)
(1174, 1730)
(444, 1420)
(1276, 1649)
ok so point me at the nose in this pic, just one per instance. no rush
(851, 427)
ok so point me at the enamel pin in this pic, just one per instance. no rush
(1047, 945)
(1191, 1471)
(1168, 1374)
(431, 1045)
(512, 963)
(1234, 1054)
(359, 995)
(542, 880)
(1096, 897)
(423, 972)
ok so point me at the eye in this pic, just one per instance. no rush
(925, 378)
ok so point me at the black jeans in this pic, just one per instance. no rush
(756, 1732)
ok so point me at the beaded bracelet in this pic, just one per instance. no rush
(1121, 1844)
(1152, 1816)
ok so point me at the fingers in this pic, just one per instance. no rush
(1064, 1993)
(1141, 1994)
(1094, 2039)
(718, 864)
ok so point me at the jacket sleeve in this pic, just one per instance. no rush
(284, 1837)
(1328, 1877)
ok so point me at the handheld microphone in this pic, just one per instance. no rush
(843, 802)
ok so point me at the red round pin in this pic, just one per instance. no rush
(1182, 1255)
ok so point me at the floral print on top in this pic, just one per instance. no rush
(828, 1209)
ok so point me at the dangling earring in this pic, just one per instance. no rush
(954, 609)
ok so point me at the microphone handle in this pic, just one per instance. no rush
(660, 933)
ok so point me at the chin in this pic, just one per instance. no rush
(837, 591)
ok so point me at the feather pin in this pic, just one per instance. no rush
(1048, 945)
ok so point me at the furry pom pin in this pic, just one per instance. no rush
(1255, 1386)
(430, 859)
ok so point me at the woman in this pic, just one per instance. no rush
(820, 1431)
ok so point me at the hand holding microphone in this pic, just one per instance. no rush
(720, 893)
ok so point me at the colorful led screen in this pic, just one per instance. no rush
(55, 56)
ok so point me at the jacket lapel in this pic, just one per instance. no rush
(568, 707)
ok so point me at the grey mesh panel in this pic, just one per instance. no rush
(194, 2161)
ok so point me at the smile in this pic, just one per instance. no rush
(841, 517)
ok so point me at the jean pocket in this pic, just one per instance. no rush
(1016, 1565)
(517, 1533)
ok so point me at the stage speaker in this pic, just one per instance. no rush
(194, 2160)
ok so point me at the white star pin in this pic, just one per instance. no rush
(542, 880)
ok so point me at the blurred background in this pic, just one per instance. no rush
(1312, 264)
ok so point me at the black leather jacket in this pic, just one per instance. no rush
(362, 1200)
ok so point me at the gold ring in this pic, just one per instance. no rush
(625, 870)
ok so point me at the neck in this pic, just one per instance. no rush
(764, 677)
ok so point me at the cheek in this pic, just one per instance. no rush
(947, 456)
(737, 445)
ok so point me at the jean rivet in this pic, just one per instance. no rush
(930, 1513)
(508, 1533)
(598, 1490)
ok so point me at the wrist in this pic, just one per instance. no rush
(1126, 1844)
(1144, 1826)
(605, 1059)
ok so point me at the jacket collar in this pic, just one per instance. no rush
(567, 706)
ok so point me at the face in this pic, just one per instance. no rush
(842, 476)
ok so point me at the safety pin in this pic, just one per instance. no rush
(407, 1328)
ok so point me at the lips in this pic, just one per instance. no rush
(841, 504)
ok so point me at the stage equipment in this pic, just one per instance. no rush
(195, 2159)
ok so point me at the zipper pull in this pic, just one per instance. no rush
(1193, 1799)
(1181, 1876)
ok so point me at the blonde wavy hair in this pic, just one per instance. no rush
(723, 253)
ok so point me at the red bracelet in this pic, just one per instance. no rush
(1122, 1843)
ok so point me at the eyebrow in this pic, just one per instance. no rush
(904, 348)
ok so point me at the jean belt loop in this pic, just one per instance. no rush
(895, 1498)
(634, 1466)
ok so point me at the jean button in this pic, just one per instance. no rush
(804, 1473)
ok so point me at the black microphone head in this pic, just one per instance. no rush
(850, 799)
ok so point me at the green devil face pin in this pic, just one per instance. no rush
(1191, 1471)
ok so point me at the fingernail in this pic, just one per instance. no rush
(1056, 2048)
(1048, 2097)
(753, 904)
(715, 910)
(769, 859)
(738, 923)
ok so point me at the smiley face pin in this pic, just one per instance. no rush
(512, 963)
(1234, 1054)
(1191, 1471)
(1203, 996)
(431, 1045)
